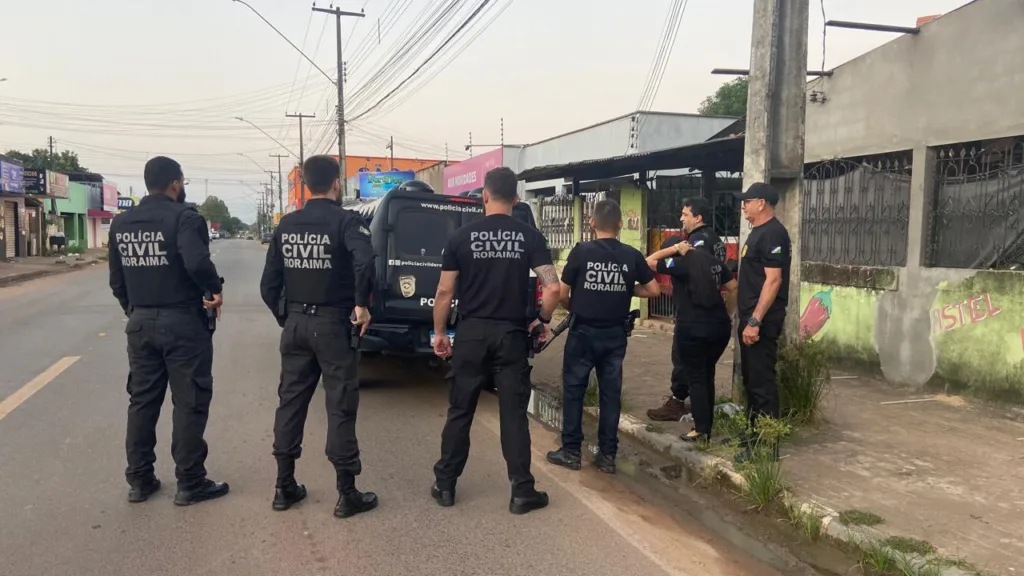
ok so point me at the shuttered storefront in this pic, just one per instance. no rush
(11, 228)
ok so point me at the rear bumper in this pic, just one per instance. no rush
(398, 339)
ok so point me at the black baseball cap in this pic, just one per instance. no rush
(760, 191)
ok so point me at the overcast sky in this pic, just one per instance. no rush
(121, 80)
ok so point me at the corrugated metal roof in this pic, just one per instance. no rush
(722, 154)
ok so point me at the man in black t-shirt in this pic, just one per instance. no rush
(763, 293)
(490, 261)
(700, 235)
(599, 281)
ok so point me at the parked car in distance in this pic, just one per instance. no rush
(266, 238)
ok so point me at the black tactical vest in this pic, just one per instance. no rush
(317, 265)
(146, 239)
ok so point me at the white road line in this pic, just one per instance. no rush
(627, 528)
(35, 385)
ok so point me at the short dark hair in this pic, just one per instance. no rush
(319, 173)
(699, 207)
(502, 183)
(160, 172)
(607, 216)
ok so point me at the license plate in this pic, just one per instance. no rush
(451, 337)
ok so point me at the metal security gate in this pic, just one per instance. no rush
(11, 227)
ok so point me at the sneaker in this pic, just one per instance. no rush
(672, 410)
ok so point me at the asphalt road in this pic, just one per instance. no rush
(63, 508)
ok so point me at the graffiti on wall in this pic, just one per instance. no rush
(963, 313)
(816, 314)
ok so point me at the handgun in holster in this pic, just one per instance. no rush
(211, 313)
(282, 309)
(630, 323)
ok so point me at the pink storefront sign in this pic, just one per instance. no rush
(469, 174)
(109, 197)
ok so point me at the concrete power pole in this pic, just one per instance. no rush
(338, 13)
(302, 158)
(280, 186)
(776, 105)
(391, 147)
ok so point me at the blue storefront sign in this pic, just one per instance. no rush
(12, 178)
(377, 184)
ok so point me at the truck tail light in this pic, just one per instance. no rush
(540, 293)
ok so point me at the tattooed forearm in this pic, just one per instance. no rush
(547, 274)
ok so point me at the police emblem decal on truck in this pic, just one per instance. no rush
(407, 284)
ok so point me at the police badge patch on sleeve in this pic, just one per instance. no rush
(407, 284)
(364, 231)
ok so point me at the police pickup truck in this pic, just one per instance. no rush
(409, 227)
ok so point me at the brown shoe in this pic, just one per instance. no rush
(672, 410)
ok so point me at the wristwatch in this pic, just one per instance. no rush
(542, 320)
(754, 322)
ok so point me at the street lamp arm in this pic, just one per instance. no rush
(240, 119)
(281, 34)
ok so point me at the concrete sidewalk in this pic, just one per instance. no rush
(943, 470)
(25, 269)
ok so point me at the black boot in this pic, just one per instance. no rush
(605, 463)
(528, 502)
(208, 490)
(565, 459)
(288, 495)
(350, 500)
(445, 498)
(142, 490)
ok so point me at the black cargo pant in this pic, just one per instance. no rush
(680, 385)
(482, 348)
(316, 343)
(699, 346)
(757, 366)
(588, 348)
(168, 346)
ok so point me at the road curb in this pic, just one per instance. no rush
(546, 407)
(23, 277)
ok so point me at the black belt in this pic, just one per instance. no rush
(322, 310)
(598, 324)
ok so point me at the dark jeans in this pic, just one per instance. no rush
(168, 347)
(587, 348)
(700, 346)
(484, 348)
(311, 347)
(757, 364)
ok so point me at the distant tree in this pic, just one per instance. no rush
(729, 100)
(215, 210)
(39, 159)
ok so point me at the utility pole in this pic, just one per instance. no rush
(774, 145)
(302, 159)
(391, 146)
(338, 13)
(53, 159)
(776, 104)
(269, 191)
(280, 186)
(206, 189)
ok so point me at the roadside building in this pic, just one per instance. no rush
(13, 224)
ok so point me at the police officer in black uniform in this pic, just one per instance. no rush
(322, 259)
(696, 213)
(489, 261)
(765, 261)
(599, 281)
(160, 268)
